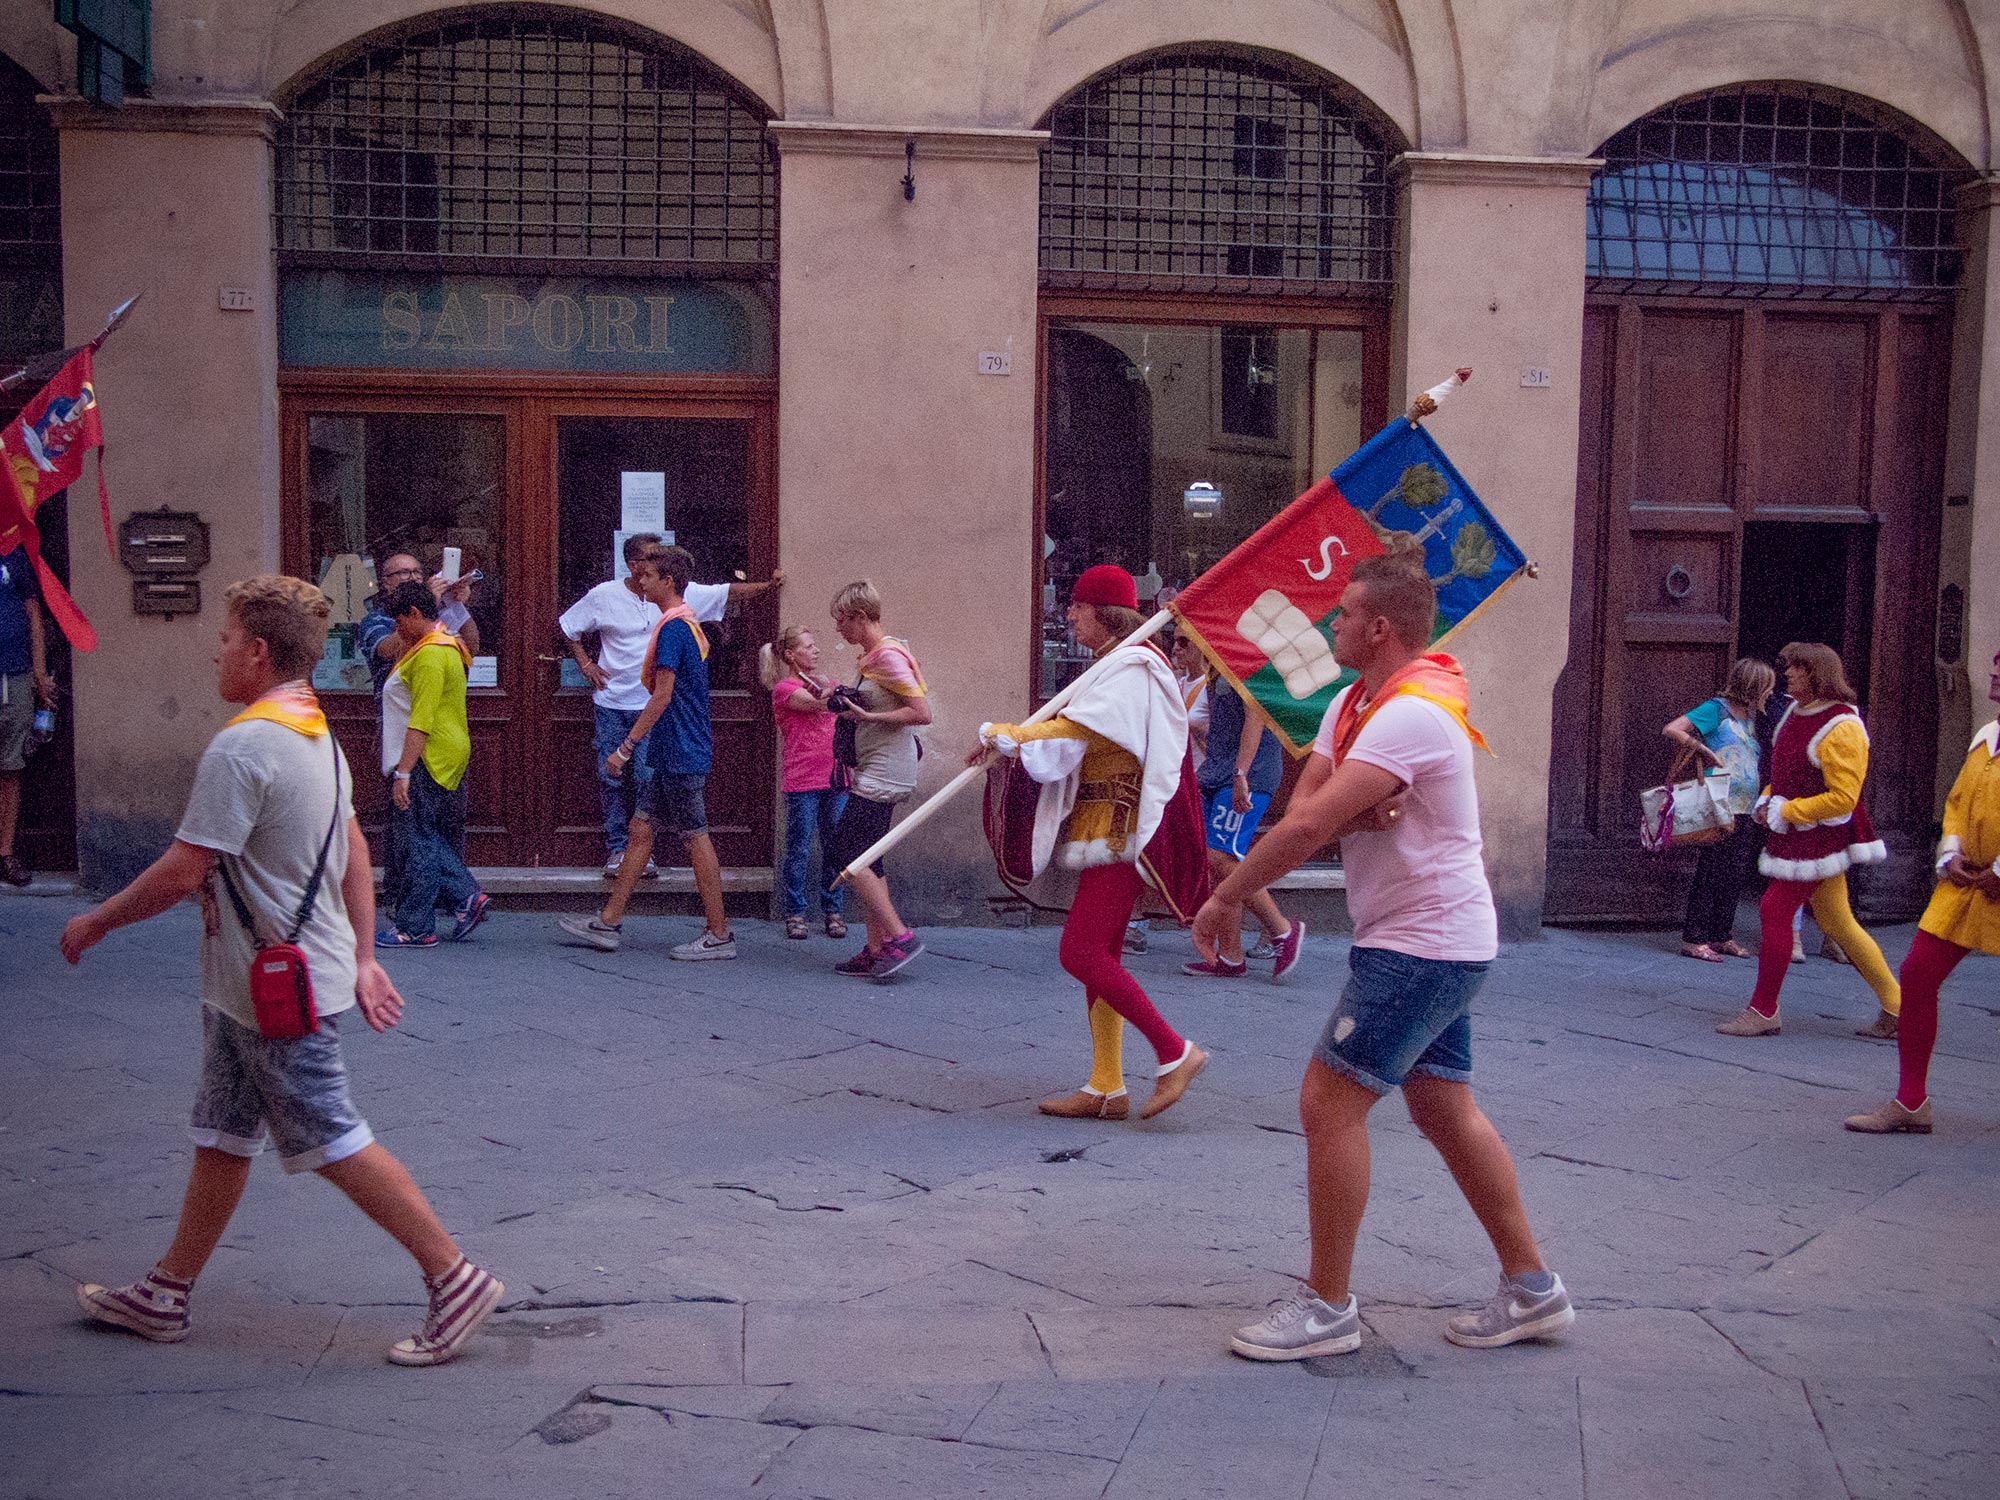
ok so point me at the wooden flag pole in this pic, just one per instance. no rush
(929, 808)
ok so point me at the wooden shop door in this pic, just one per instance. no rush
(1745, 471)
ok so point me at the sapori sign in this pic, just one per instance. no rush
(363, 319)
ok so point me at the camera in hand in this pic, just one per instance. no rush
(842, 698)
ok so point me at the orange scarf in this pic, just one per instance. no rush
(885, 677)
(1436, 678)
(650, 668)
(291, 704)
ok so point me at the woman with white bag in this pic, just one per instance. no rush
(1722, 734)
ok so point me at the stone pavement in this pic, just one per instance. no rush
(768, 1232)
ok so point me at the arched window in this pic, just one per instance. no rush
(1198, 171)
(528, 134)
(1774, 189)
(30, 220)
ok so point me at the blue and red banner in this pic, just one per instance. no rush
(41, 453)
(1261, 614)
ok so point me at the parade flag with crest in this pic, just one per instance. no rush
(42, 452)
(1261, 615)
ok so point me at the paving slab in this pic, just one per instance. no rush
(766, 1231)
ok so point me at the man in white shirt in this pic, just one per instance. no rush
(1391, 778)
(618, 613)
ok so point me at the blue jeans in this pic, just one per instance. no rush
(805, 814)
(1401, 1015)
(435, 871)
(618, 798)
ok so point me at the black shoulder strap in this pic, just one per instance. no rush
(319, 869)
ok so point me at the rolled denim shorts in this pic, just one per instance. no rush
(673, 801)
(1401, 1015)
(297, 1090)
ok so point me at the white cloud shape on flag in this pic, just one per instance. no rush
(1280, 629)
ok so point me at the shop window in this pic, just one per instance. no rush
(1774, 189)
(384, 482)
(528, 133)
(1196, 171)
(1137, 415)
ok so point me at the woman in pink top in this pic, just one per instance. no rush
(789, 668)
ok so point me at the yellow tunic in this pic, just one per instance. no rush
(1957, 913)
(1107, 794)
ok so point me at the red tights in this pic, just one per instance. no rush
(1093, 942)
(1924, 971)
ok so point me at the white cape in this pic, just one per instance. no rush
(1135, 703)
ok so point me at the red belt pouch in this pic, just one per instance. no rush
(282, 993)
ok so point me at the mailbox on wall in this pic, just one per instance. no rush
(164, 549)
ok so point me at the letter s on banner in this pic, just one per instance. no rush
(1325, 570)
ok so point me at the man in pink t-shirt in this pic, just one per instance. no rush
(1391, 778)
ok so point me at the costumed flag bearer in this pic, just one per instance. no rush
(1113, 776)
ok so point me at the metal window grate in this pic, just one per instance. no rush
(1773, 190)
(529, 135)
(1194, 172)
(30, 202)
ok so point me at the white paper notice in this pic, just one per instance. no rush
(484, 672)
(642, 501)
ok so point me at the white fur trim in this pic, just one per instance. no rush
(1812, 745)
(1826, 866)
(1088, 854)
(1802, 870)
(1846, 817)
(1774, 813)
(1949, 847)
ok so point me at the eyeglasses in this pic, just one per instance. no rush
(404, 573)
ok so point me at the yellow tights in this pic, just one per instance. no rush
(1107, 1061)
(1836, 920)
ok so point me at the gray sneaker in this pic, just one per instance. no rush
(1300, 1327)
(708, 945)
(1515, 1313)
(590, 932)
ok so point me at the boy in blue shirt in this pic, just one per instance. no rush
(674, 728)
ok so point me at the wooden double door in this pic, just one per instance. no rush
(1749, 474)
(529, 480)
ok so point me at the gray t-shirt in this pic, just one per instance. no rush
(886, 755)
(263, 796)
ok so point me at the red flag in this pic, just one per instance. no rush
(41, 453)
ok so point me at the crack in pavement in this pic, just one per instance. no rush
(1605, 1036)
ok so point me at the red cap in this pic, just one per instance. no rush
(1106, 584)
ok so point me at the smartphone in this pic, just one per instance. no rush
(450, 568)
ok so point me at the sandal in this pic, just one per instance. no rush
(836, 925)
(1701, 951)
(795, 927)
(1731, 949)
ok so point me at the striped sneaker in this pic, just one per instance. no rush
(460, 1302)
(155, 1308)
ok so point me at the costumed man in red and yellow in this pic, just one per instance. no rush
(1819, 831)
(1963, 915)
(1109, 766)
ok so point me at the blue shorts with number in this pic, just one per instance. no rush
(1229, 831)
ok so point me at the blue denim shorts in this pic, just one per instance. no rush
(673, 801)
(295, 1089)
(1401, 1015)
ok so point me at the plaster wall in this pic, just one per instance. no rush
(173, 203)
(1497, 312)
(1971, 540)
(897, 461)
